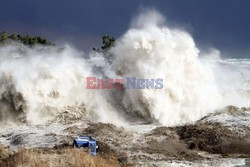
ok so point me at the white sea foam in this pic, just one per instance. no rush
(38, 83)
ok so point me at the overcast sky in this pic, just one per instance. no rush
(221, 24)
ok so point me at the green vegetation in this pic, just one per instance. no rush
(107, 42)
(29, 40)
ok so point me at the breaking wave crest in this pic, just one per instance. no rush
(38, 83)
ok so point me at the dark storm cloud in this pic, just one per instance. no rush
(223, 24)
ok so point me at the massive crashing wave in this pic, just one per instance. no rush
(36, 84)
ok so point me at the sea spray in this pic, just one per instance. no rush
(38, 83)
(152, 50)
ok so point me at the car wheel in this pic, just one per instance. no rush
(75, 145)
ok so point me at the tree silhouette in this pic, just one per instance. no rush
(29, 40)
(107, 42)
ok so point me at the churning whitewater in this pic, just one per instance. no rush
(36, 84)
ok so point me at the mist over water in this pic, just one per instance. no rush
(38, 83)
(152, 50)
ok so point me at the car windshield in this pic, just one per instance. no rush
(83, 137)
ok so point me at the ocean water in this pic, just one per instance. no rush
(39, 84)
